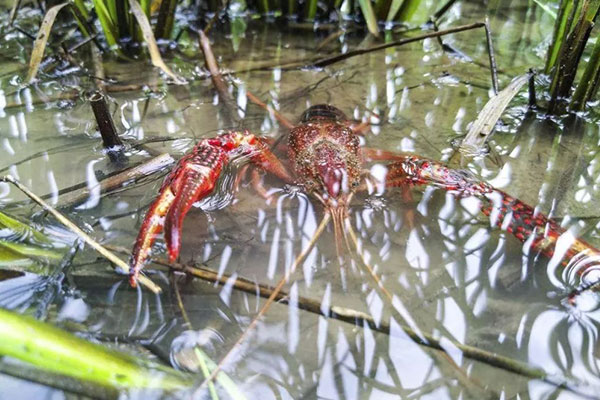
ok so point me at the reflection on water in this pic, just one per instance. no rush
(449, 279)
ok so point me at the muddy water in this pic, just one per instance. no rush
(446, 275)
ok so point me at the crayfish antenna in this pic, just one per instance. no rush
(361, 255)
(337, 215)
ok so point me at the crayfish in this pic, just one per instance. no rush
(324, 157)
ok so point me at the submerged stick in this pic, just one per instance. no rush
(362, 319)
(84, 236)
(269, 301)
(115, 181)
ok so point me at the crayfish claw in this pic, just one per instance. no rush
(193, 178)
(152, 226)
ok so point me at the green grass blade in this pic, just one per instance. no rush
(107, 23)
(369, 16)
(207, 365)
(545, 7)
(587, 83)
(164, 22)
(393, 10)
(49, 348)
(39, 46)
(408, 9)
(30, 251)
(310, 9)
(206, 372)
(146, 6)
(560, 33)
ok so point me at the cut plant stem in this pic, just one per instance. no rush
(82, 235)
(111, 140)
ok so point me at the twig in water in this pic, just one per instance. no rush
(82, 235)
(340, 57)
(219, 82)
(358, 318)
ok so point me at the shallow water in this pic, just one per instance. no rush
(449, 273)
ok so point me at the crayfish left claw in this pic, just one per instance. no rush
(193, 178)
(152, 226)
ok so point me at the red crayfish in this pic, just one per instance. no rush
(325, 159)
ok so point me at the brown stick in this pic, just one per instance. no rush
(340, 57)
(116, 181)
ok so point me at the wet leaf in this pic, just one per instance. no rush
(34, 252)
(27, 257)
(489, 116)
(39, 46)
(144, 24)
(51, 349)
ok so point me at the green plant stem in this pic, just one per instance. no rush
(588, 83)
(49, 348)
(166, 16)
(560, 31)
